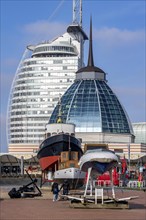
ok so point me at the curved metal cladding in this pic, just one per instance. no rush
(93, 107)
(54, 145)
(140, 132)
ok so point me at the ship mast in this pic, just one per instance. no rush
(59, 119)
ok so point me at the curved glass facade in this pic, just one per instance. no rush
(93, 107)
(46, 49)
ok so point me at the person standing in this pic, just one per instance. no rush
(66, 187)
(55, 190)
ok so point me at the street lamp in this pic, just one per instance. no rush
(129, 156)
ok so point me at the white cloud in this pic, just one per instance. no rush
(44, 29)
(118, 37)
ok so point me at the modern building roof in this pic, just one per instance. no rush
(8, 159)
(11, 160)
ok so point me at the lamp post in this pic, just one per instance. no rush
(22, 166)
(129, 156)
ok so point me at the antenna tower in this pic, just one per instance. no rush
(77, 12)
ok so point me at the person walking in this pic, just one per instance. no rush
(66, 187)
(55, 190)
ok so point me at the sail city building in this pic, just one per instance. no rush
(44, 73)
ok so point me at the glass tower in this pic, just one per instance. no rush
(39, 80)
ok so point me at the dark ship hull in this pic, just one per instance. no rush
(51, 148)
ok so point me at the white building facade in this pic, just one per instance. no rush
(39, 81)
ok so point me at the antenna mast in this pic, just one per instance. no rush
(59, 118)
(77, 12)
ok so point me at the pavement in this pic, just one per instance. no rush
(43, 208)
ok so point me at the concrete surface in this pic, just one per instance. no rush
(43, 208)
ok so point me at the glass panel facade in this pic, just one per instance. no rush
(112, 113)
(93, 107)
(54, 48)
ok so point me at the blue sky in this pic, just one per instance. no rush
(119, 44)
